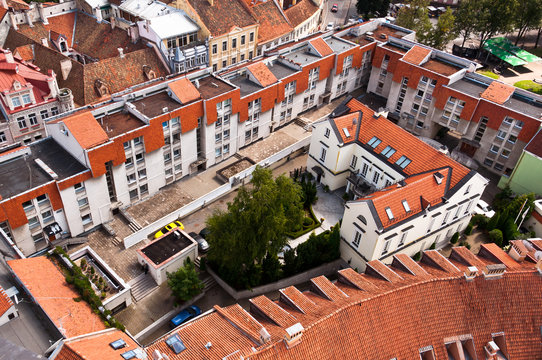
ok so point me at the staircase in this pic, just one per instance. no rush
(132, 223)
(208, 283)
(142, 286)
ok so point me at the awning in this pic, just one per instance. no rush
(318, 170)
(52, 229)
(502, 48)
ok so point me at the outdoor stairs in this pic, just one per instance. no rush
(208, 283)
(132, 223)
(142, 286)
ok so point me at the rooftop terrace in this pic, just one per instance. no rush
(210, 86)
(280, 70)
(441, 67)
(167, 246)
(119, 123)
(245, 85)
(154, 105)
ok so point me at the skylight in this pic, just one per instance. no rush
(131, 354)
(175, 343)
(389, 213)
(388, 152)
(405, 205)
(374, 142)
(118, 344)
(403, 162)
(346, 132)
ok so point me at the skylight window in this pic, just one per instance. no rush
(131, 354)
(388, 152)
(403, 162)
(118, 344)
(175, 343)
(389, 213)
(374, 142)
(405, 205)
(346, 132)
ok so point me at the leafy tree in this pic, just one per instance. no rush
(463, 23)
(509, 231)
(289, 267)
(185, 283)
(444, 32)
(309, 193)
(377, 8)
(254, 225)
(270, 268)
(528, 16)
(502, 199)
(494, 221)
(496, 236)
(416, 17)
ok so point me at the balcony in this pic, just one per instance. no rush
(359, 186)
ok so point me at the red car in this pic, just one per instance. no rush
(335, 8)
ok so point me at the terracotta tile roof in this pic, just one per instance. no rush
(95, 346)
(51, 292)
(24, 52)
(271, 310)
(325, 288)
(434, 258)
(535, 145)
(221, 17)
(407, 264)
(184, 90)
(355, 279)
(3, 12)
(60, 24)
(5, 302)
(85, 129)
(321, 47)
(242, 320)
(497, 92)
(300, 12)
(424, 157)
(273, 24)
(377, 269)
(465, 256)
(17, 5)
(416, 55)
(295, 298)
(262, 73)
(495, 253)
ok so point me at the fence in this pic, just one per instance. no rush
(197, 204)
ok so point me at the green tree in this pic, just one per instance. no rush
(528, 16)
(443, 32)
(463, 23)
(185, 283)
(309, 193)
(415, 17)
(254, 224)
(270, 268)
(378, 8)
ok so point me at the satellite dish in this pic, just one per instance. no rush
(538, 255)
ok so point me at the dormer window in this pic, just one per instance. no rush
(16, 85)
(63, 46)
(405, 205)
(389, 213)
(16, 101)
(26, 99)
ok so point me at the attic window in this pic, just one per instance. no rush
(403, 162)
(346, 132)
(388, 152)
(131, 354)
(362, 219)
(427, 353)
(118, 344)
(438, 178)
(389, 213)
(374, 142)
(405, 205)
(175, 343)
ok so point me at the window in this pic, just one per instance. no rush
(512, 139)
(405, 205)
(364, 170)
(494, 149)
(403, 238)
(47, 216)
(82, 202)
(226, 135)
(44, 114)
(131, 178)
(386, 247)
(16, 101)
(129, 162)
(488, 162)
(501, 135)
(457, 212)
(218, 151)
(255, 132)
(233, 43)
(176, 153)
(87, 219)
(357, 239)
(498, 167)
(376, 177)
(218, 138)
(27, 205)
(37, 238)
(144, 189)
(388, 152)
(2, 137)
(374, 142)
(389, 213)
(167, 157)
(126, 145)
(165, 125)
(215, 68)
(178, 168)
(468, 189)
(251, 37)
(354, 161)
(33, 119)
(445, 219)
(505, 153)
(243, 38)
(518, 124)
(139, 158)
(138, 140)
(327, 133)
(33, 222)
(54, 111)
(215, 49)
(21, 122)
(224, 63)
(79, 187)
(233, 60)
(226, 149)
(142, 174)
(507, 120)
(224, 45)
(323, 153)
(42, 199)
(26, 99)
(403, 162)
(250, 55)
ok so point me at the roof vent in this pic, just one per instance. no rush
(517, 251)
(471, 273)
(196, 83)
(438, 177)
(491, 349)
(208, 345)
(46, 168)
(165, 109)
(264, 335)
(494, 271)
(157, 355)
(293, 335)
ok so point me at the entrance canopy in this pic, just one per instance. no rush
(506, 51)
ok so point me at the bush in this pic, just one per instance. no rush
(417, 256)
(496, 236)
(468, 229)
(493, 222)
(529, 85)
(454, 238)
(203, 264)
(326, 188)
(307, 221)
(433, 245)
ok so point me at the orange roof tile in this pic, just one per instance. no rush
(262, 73)
(378, 269)
(494, 252)
(357, 280)
(295, 298)
(242, 320)
(86, 130)
(300, 12)
(24, 52)
(416, 55)
(51, 292)
(406, 263)
(434, 258)
(273, 24)
(271, 310)
(326, 288)
(497, 92)
(184, 90)
(465, 256)
(5, 302)
(95, 346)
(321, 46)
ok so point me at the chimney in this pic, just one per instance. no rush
(98, 14)
(112, 19)
(491, 350)
(121, 52)
(494, 271)
(13, 20)
(517, 251)
(293, 335)
(264, 336)
(44, 42)
(196, 83)
(4, 4)
(28, 18)
(42, 14)
(471, 273)
(9, 56)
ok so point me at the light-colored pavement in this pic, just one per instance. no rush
(347, 9)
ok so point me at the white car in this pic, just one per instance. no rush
(330, 26)
(483, 208)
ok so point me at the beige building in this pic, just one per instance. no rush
(231, 28)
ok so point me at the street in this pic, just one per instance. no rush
(347, 9)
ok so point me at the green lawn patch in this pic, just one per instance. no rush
(529, 85)
(488, 73)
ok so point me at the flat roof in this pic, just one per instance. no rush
(22, 173)
(153, 105)
(441, 67)
(166, 247)
(245, 85)
(302, 56)
(210, 86)
(119, 123)
(338, 45)
(387, 31)
(395, 48)
(361, 39)
(280, 70)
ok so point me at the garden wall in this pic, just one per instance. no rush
(325, 269)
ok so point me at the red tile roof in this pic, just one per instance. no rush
(184, 90)
(535, 145)
(262, 73)
(416, 55)
(300, 12)
(95, 346)
(221, 17)
(51, 292)
(17, 5)
(5, 302)
(85, 129)
(24, 52)
(273, 24)
(321, 47)
(498, 92)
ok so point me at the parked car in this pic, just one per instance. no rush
(169, 227)
(204, 232)
(483, 208)
(189, 313)
(203, 245)
(330, 26)
(335, 8)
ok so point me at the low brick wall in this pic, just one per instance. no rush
(325, 269)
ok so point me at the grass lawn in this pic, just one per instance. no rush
(529, 85)
(488, 73)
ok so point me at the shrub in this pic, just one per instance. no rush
(100, 280)
(493, 222)
(103, 295)
(203, 264)
(433, 245)
(326, 188)
(346, 197)
(468, 229)
(307, 221)
(92, 271)
(467, 245)
(454, 238)
(417, 256)
(496, 236)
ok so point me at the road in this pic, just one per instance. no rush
(347, 9)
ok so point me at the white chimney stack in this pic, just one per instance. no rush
(121, 52)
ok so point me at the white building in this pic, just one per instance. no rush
(408, 195)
